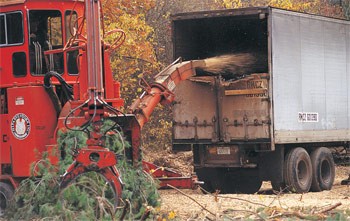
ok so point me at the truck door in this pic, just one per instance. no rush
(245, 109)
(195, 111)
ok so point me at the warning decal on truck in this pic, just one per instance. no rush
(308, 117)
(20, 126)
(250, 88)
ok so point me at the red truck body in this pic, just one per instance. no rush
(55, 75)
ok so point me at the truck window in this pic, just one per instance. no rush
(55, 31)
(71, 27)
(19, 66)
(45, 28)
(11, 28)
(71, 23)
(2, 30)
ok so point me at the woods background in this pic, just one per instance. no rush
(148, 47)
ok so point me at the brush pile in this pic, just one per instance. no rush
(89, 197)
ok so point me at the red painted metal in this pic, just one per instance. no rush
(5, 150)
(6, 70)
(29, 107)
(158, 171)
(111, 175)
(98, 159)
(162, 90)
(167, 176)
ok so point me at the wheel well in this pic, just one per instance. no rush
(7, 182)
(309, 147)
(10, 181)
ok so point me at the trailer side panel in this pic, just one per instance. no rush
(310, 57)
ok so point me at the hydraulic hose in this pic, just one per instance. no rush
(66, 88)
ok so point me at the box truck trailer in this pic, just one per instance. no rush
(275, 121)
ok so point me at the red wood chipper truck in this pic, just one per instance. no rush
(55, 74)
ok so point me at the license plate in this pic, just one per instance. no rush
(223, 150)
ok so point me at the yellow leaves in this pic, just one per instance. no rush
(136, 56)
(261, 197)
(171, 215)
(232, 3)
(164, 216)
(132, 20)
(319, 7)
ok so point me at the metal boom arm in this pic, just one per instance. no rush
(161, 91)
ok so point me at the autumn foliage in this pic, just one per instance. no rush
(319, 7)
(135, 58)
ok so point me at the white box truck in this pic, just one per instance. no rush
(274, 124)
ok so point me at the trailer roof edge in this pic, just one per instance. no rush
(219, 13)
(239, 11)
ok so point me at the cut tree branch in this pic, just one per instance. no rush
(203, 207)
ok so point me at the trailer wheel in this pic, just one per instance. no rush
(6, 194)
(298, 170)
(323, 169)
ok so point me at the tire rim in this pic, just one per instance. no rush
(325, 171)
(302, 173)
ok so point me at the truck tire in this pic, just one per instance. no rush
(6, 194)
(323, 169)
(298, 170)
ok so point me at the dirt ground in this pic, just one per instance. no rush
(185, 205)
